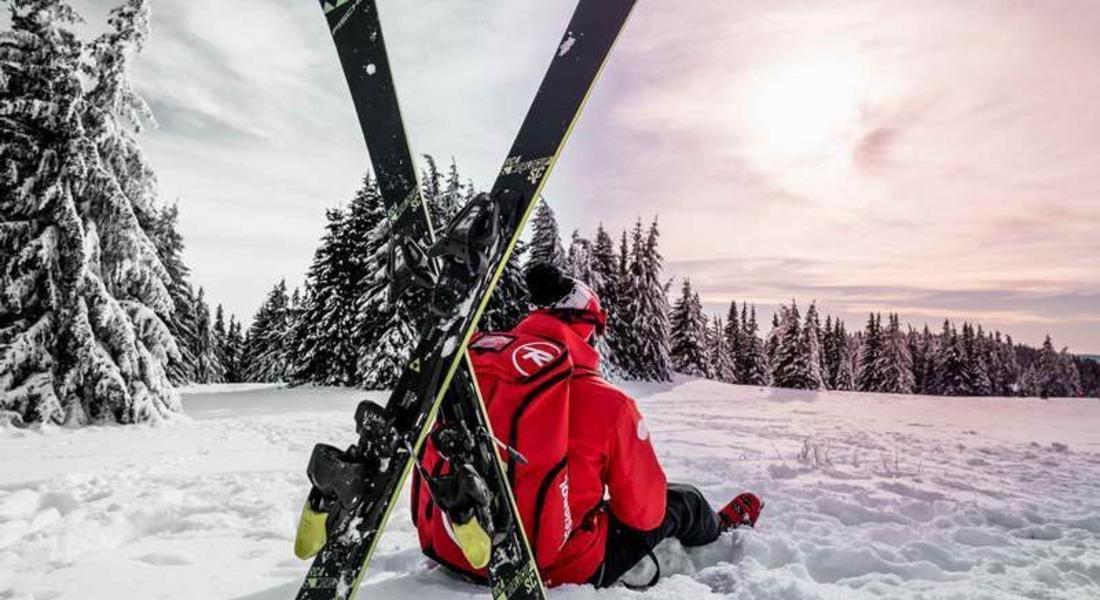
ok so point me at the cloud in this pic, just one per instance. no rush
(943, 146)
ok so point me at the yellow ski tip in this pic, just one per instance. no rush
(311, 533)
(474, 542)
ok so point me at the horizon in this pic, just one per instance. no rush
(938, 167)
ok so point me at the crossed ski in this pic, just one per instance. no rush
(473, 250)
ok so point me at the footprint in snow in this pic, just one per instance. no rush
(167, 559)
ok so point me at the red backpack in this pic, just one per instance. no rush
(524, 380)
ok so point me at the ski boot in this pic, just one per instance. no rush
(742, 510)
(342, 480)
(463, 495)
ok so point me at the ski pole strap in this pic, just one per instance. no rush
(652, 580)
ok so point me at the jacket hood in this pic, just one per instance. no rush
(545, 324)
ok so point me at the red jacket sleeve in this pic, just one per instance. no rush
(636, 482)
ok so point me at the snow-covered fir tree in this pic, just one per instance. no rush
(753, 368)
(771, 343)
(266, 357)
(922, 347)
(232, 350)
(647, 295)
(734, 340)
(168, 241)
(545, 238)
(721, 366)
(386, 328)
(327, 351)
(83, 285)
(508, 304)
(689, 332)
(896, 370)
(221, 334)
(793, 365)
(975, 374)
(1006, 367)
(870, 377)
(849, 350)
(950, 379)
(453, 196)
(833, 347)
(811, 334)
(208, 364)
(578, 260)
(1055, 374)
(606, 280)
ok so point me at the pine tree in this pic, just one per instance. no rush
(232, 350)
(793, 366)
(830, 355)
(870, 377)
(951, 379)
(386, 330)
(508, 304)
(721, 365)
(181, 321)
(897, 363)
(849, 351)
(606, 282)
(545, 240)
(771, 344)
(265, 358)
(1055, 375)
(208, 365)
(326, 351)
(811, 344)
(688, 327)
(647, 309)
(922, 350)
(578, 261)
(734, 343)
(454, 194)
(755, 369)
(83, 285)
(977, 369)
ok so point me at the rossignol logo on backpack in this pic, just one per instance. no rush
(533, 356)
(567, 515)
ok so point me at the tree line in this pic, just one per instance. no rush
(341, 328)
(802, 353)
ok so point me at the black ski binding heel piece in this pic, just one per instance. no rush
(470, 236)
(408, 265)
(341, 479)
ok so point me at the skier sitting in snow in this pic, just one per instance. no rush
(591, 493)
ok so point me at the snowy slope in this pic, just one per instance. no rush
(866, 497)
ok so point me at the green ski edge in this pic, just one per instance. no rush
(462, 355)
(526, 576)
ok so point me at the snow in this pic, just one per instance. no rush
(866, 496)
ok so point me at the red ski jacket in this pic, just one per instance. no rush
(611, 466)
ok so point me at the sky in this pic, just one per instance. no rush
(938, 159)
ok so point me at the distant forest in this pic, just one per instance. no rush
(339, 329)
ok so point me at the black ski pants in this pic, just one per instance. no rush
(688, 518)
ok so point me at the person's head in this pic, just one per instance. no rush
(566, 298)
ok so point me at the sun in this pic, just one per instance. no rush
(798, 109)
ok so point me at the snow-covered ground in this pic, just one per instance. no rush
(866, 497)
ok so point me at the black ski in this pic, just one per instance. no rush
(473, 250)
(513, 572)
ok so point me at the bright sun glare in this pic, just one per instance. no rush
(798, 109)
